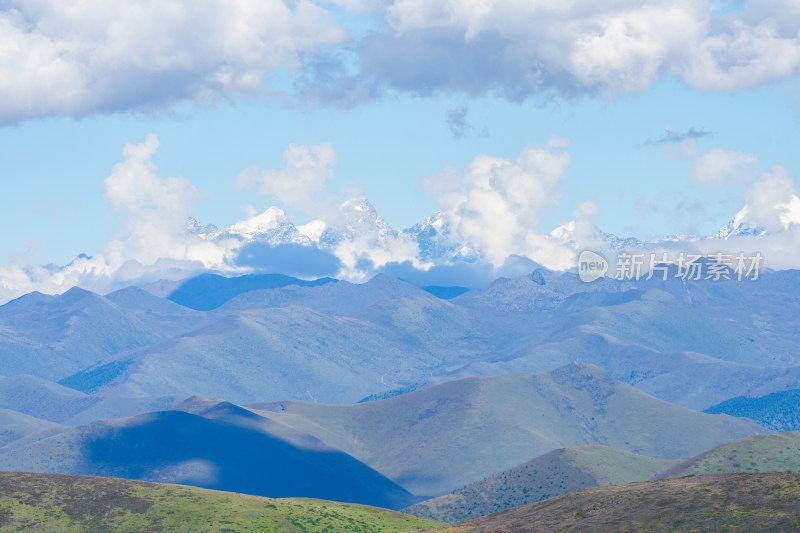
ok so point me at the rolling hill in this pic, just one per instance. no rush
(779, 452)
(722, 502)
(48, 502)
(556, 472)
(54, 336)
(50, 401)
(435, 440)
(233, 450)
(277, 353)
(15, 426)
(695, 345)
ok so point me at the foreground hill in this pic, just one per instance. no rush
(779, 411)
(779, 452)
(226, 448)
(436, 440)
(47, 502)
(554, 473)
(723, 502)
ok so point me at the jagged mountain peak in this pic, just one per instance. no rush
(272, 226)
(740, 226)
(271, 219)
(743, 225)
(574, 236)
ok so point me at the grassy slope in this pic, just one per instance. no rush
(46, 502)
(437, 440)
(722, 502)
(549, 475)
(779, 452)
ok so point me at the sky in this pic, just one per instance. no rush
(511, 117)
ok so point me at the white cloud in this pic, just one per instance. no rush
(721, 168)
(153, 243)
(308, 169)
(520, 47)
(363, 240)
(495, 204)
(158, 208)
(772, 200)
(77, 58)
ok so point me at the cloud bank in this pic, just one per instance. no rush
(495, 204)
(522, 48)
(76, 59)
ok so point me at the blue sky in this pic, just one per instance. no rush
(378, 81)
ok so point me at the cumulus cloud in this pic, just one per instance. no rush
(158, 208)
(720, 168)
(772, 200)
(308, 169)
(363, 241)
(78, 58)
(153, 243)
(495, 204)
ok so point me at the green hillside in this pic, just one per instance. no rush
(779, 452)
(48, 502)
(722, 502)
(436, 440)
(553, 473)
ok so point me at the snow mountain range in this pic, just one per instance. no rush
(357, 226)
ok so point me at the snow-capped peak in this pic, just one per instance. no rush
(743, 225)
(740, 226)
(271, 226)
(564, 233)
(271, 219)
(204, 231)
(356, 218)
(436, 244)
(313, 230)
(570, 235)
